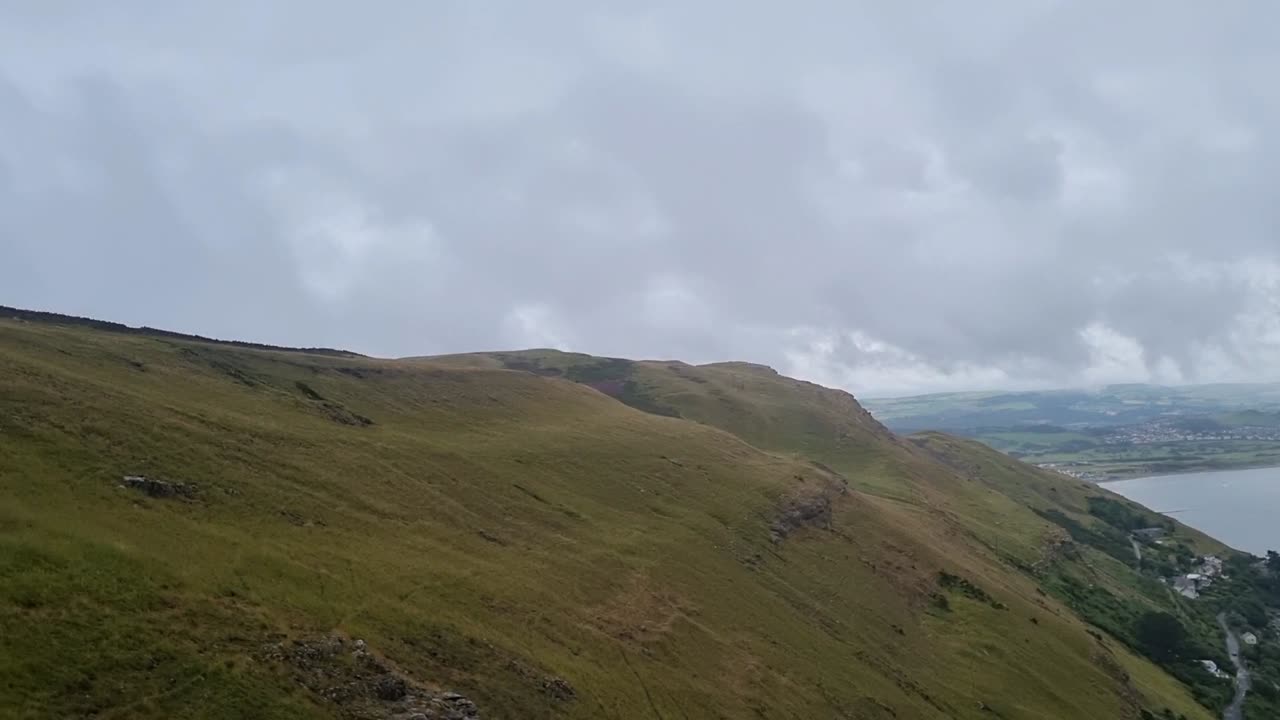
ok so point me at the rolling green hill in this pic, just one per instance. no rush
(207, 530)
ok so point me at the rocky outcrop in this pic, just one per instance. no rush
(808, 505)
(559, 689)
(798, 512)
(362, 685)
(158, 488)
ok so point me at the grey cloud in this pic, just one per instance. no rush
(887, 198)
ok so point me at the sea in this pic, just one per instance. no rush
(1239, 507)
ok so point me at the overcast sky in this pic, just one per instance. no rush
(892, 197)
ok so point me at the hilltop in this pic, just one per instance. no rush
(206, 529)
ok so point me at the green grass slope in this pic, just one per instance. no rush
(1040, 524)
(723, 543)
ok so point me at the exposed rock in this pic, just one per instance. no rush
(159, 488)
(814, 510)
(390, 687)
(809, 504)
(297, 519)
(559, 688)
(458, 707)
(363, 686)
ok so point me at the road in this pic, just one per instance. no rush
(1235, 711)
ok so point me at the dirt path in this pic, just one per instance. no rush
(1235, 711)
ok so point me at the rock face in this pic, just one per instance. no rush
(159, 488)
(363, 686)
(810, 505)
(559, 689)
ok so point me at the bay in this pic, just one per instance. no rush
(1239, 507)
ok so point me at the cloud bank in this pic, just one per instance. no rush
(884, 198)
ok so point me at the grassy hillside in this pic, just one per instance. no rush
(349, 537)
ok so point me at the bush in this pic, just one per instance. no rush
(1252, 610)
(1120, 516)
(1161, 636)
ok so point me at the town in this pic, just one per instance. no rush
(1165, 431)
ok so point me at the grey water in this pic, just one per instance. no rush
(1239, 507)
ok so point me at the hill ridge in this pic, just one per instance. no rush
(52, 318)
(582, 537)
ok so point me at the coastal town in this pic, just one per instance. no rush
(1181, 430)
(1079, 471)
(1160, 446)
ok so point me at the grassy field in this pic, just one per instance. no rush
(724, 542)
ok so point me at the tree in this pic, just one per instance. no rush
(1161, 636)
(1252, 610)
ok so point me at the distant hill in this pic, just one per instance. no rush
(1111, 405)
(20, 315)
(1248, 418)
(1114, 432)
(214, 530)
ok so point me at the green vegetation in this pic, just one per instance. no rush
(1161, 636)
(1093, 568)
(1124, 517)
(968, 589)
(1250, 597)
(724, 542)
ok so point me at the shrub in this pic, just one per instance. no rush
(1160, 635)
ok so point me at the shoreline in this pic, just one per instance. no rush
(1195, 471)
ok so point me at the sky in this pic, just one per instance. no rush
(889, 197)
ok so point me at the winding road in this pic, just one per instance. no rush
(1235, 711)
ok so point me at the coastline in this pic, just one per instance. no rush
(1189, 471)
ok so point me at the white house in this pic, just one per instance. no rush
(1212, 566)
(1186, 587)
(1212, 668)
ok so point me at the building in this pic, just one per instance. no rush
(1186, 587)
(1213, 669)
(1151, 533)
(1249, 638)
